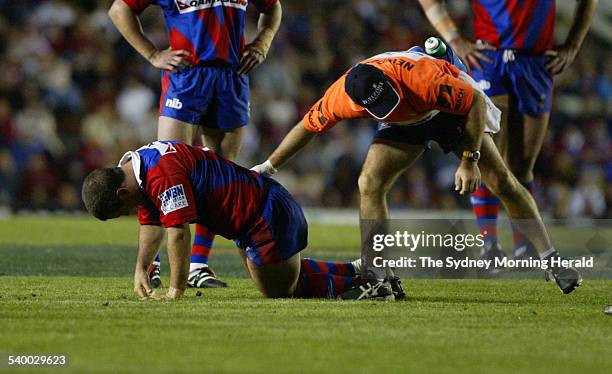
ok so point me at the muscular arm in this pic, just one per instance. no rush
(469, 52)
(563, 56)
(295, 140)
(475, 122)
(256, 52)
(268, 24)
(467, 177)
(149, 239)
(179, 249)
(128, 24)
(437, 14)
(582, 21)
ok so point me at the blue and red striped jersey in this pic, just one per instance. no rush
(518, 24)
(211, 30)
(191, 184)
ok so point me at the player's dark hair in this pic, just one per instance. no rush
(99, 192)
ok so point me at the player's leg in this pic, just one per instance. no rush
(290, 278)
(485, 205)
(519, 204)
(224, 142)
(222, 131)
(523, 211)
(524, 140)
(169, 128)
(528, 120)
(271, 250)
(385, 162)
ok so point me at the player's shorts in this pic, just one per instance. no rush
(280, 231)
(522, 74)
(211, 96)
(445, 129)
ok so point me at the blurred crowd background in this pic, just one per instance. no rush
(74, 96)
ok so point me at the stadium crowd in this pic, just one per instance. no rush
(75, 96)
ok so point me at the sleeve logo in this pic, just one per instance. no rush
(172, 199)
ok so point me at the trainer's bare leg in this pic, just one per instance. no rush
(519, 203)
(384, 163)
(224, 142)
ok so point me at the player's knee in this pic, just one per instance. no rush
(276, 294)
(522, 170)
(370, 186)
(504, 183)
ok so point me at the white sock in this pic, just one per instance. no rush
(357, 265)
(196, 266)
(547, 253)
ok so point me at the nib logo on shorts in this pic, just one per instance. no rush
(188, 6)
(174, 103)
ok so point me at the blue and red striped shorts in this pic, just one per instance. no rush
(280, 231)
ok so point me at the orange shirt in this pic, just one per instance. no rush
(425, 85)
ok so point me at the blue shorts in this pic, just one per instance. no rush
(522, 75)
(210, 96)
(280, 231)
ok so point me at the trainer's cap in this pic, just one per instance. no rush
(368, 87)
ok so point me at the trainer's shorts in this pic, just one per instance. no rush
(280, 231)
(445, 129)
(211, 96)
(523, 75)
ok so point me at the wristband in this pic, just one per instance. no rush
(269, 168)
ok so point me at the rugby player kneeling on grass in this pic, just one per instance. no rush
(173, 184)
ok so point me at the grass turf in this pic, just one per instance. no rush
(445, 326)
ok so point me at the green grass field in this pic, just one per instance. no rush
(66, 288)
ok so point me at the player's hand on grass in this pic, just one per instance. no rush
(169, 59)
(253, 55)
(560, 58)
(171, 295)
(467, 177)
(142, 285)
(470, 52)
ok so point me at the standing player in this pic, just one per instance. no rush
(513, 61)
(174, 184)
(205, 85)
(416, 99)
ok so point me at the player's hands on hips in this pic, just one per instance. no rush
(265, 168)
(470, 52)
(560, 58)
(142, 285)
(467, 177)
(253, 55)
(169, 59)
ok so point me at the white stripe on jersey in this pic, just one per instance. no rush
(188, 6)
(406, 54)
